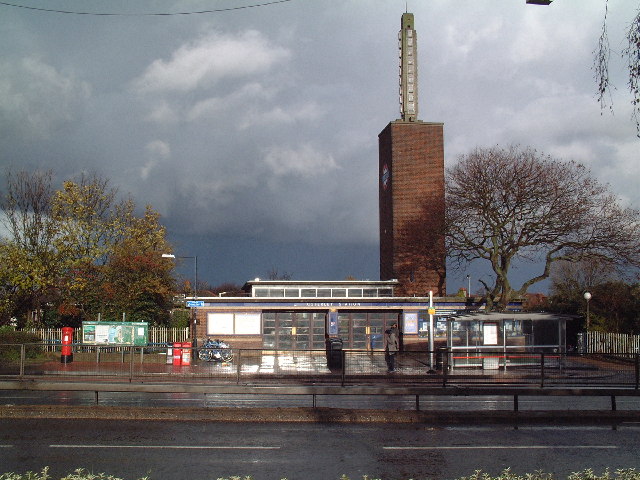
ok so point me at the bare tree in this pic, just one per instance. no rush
(27, 210)
(29, 252)
(631, 54)
(515, 204)
(274, 274)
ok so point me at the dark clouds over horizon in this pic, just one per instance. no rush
(254, 132)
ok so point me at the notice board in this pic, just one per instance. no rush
(115, 333)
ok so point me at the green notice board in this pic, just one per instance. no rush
(115, 333)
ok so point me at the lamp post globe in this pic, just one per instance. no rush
(587, 296)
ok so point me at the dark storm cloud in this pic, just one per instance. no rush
(254, 132)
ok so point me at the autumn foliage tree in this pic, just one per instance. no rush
(506, 205)
(82, 251)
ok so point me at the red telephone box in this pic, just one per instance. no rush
(67, 349)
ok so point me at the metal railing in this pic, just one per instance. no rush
(442, 368)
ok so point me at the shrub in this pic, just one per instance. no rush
(10, 341)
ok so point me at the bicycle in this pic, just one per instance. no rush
(215, 351)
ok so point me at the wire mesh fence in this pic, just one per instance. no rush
(443, 367)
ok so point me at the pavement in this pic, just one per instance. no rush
(283, 368)
(321, 415)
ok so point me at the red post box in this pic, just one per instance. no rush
(186, 353)
(177, 353)
(67, 349)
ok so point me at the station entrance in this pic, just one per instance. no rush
(360, 330)
(365, 330)
(293, 330)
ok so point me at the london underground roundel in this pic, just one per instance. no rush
(386, 176)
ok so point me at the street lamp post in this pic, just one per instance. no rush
(195, 291)
(469, 285)
(587, 296)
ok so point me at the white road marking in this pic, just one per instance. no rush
(502, 447)
(175, 447)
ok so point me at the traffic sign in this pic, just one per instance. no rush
(195, 303)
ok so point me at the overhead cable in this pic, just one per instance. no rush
(153, 14)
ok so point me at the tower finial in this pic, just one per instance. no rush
(408, 69)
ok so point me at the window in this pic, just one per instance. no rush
(220, 324)
(291, 292)
(276, 292)
(339, 292)
(324, 292)
(308, 292)
(233, 324)
(261, 292)
(355, 292)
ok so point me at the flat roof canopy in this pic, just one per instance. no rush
(496, 316)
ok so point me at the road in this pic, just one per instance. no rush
(479, 403)
(177, 450)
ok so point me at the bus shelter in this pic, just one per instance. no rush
(494, 340)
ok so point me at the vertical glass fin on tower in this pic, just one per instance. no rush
(408, 44)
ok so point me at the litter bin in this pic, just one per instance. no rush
(334, 353)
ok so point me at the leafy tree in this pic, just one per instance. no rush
(81, 250)
(615, 306)
(30, 262)
(89, 223)
(515, 204)
(570, 280)
(137, 279)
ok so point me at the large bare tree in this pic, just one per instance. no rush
(515, 204)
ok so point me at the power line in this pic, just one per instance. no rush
(157, 14)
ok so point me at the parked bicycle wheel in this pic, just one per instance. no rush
(205, 354)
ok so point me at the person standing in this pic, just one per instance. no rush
(391, 347)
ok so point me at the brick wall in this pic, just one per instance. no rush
(411, 159)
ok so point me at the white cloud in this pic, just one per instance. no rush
(163, 113)
(283, 115)
(237, 100)
(38, 98)
(157, 151)
(302, 162)
(210, 59)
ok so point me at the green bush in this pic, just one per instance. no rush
(179, 318)
(587, 474)
(10, 341)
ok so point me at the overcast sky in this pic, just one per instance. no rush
(254, 131)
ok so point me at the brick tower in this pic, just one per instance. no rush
(411, 188)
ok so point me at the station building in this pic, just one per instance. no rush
(304, 314)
